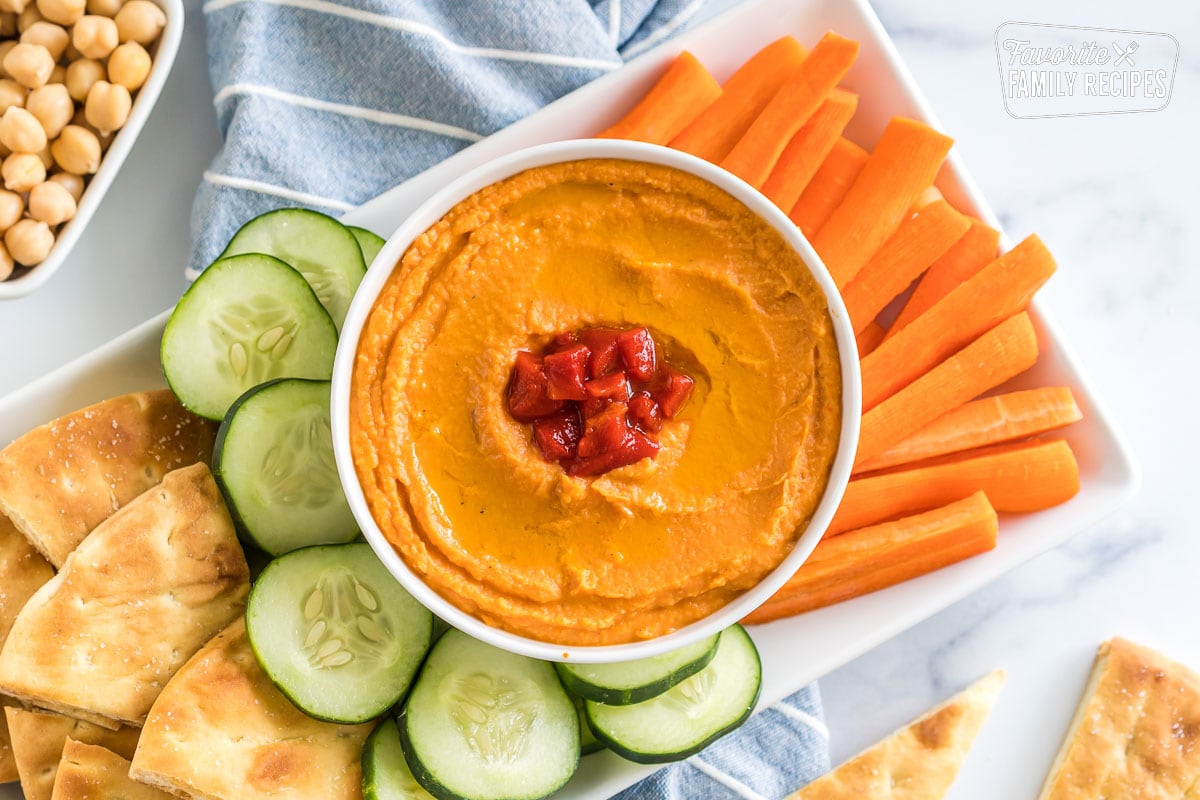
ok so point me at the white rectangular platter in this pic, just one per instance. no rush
(794, 651)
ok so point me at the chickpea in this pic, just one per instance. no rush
(107, 106)
(51, 203)
(14, 7)
(29, 64)
(29, 15)
(8, 23)
(57, 75)
(105, 8)
(50, 36)
(129, 66)
(22, 171)
(4, 48)
(81, 75)
(6, 263)
(29, 241)
(52, 106)
(12, 206)
(21, 131)
(76, 150)
(64, 12)
(11, 94)
(95, 37)
(71, 182)
(81, 120)
(140, 21)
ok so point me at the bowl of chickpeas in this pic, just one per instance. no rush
(78, 79)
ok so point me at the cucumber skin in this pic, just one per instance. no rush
(369, 777)
(638, 694)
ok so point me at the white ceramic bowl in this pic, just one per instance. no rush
(163, 56)
(432, 210)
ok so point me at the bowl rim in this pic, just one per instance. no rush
(431, 210)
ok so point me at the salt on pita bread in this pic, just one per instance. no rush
(90, 772)
(140, 595)
(220, 730)
(61, 480)
(38, 741)
(1136, 733)
(918, 762)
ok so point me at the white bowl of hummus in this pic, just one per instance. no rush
(595, 400)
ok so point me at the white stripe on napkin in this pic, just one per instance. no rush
(261, 187)
(728, 781)
(409, 26)
(663, 31)
(804, 717)
(369, 114)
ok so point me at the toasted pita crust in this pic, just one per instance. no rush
(8, 762)
(38, 740)
(1136, 733)
(222, 731)
(918, 762)
(132, 603)
(90, 772)
(61, 480)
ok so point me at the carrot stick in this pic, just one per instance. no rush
(974, 251)
(828, 186)
(916, 244)
(683, 91)
(803, 155)
(995, 293)
(931, 194)
(1015, 478)
(1005, 351)
(868, 559)
(869, 338)
(903, 164)
(983, 422)
(755, 154)
(714, 132)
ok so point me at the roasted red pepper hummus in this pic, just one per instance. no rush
(457, 484)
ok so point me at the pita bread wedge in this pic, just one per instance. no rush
(8, 762)
(90, 772)
(1136, 733)
(140, 595)
(222, 731)
(918, 762)
(61, 480)
(38, 741)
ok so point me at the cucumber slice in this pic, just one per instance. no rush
(636, 681)
(273, 459)
(485, 724)
(690, 716)
(318, 246)
(588, 743)
(246, 320)
(386, 775)
(336, 633)
(370, 243)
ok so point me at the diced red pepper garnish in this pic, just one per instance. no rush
(557, 435)
(528, 396)
(645, 413)
(638, 353)
(605, 356)
(605, 431)
(566, 372)
(673, 391)
(562, 341)
(633, 447)
(614, 385)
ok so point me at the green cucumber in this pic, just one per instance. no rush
(690, 716)
(629, 682)
(273, 460)
(588, 743)
(370, 243)
(386, 775)
(246, 320)
(336, 632)
(485, 724)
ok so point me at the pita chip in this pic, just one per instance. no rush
(142, 593)
(1136, 733)
(90, 772)
(220, 730)
(918, 762)
(39, 738)
(61, 480)
(8, 762)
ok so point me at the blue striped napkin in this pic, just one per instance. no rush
(327, 104)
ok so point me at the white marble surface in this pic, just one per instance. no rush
(1114, 198)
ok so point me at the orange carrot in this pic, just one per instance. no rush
(828, 186)
(803, 155)
(869, 338)
(931, 194)
(713, 133)
(903, 164)
(974, 251)
(683, 91)
(869, 559)
(1016, 478)
(983, 422)
(916, 244)
(995, 293)
(755, 154)
(1001, 353)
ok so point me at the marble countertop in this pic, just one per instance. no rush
(1114, 199)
